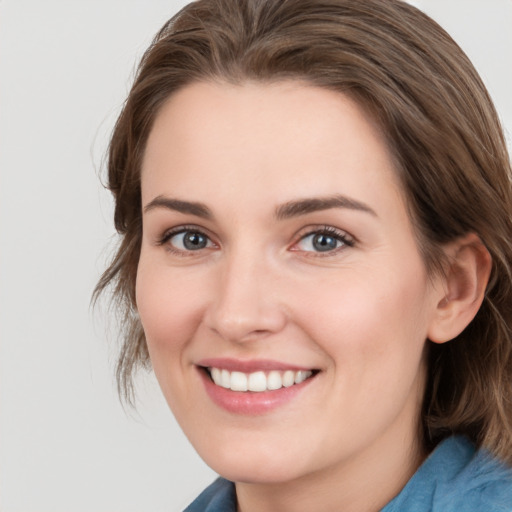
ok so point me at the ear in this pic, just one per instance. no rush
(463, 283)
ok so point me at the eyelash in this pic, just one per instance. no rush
(176, 231)
(330, 231)
(341, 236)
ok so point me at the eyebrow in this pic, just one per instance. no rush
(314, 204)
(187, 207)
(287, 210)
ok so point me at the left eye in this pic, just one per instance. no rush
(322, 242)
(189, 241)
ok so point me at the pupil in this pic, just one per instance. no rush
(194, 241)
(324, 243)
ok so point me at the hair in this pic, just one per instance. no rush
(441, 128)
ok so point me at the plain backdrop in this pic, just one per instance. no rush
(66, 445)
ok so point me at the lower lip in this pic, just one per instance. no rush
(249, 402)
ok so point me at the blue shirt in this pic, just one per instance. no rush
(454, 478)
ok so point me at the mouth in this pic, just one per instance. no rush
(257, 381)
(254, 387)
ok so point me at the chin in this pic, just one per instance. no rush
(252, 474)
(257, 468)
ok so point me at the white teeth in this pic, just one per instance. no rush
(225, 379)
(274, 380)
(216, 375)
(258, 381)
(288, 378)
(301, 376)
(238, 381)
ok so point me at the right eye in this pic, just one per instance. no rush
(187, 240)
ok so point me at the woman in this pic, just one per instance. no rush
(314, 205)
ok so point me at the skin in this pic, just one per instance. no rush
(360, 313)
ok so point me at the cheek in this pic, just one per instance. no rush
(370, 320)
(170, 312)
(169, 306)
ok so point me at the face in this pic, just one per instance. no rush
(280, 287)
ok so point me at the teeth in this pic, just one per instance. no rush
(301, 376)
(238, 381)
(274, 380)
(225, 379)
(216, 374)
(288, 378)
(258, 381)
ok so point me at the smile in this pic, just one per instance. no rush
(254, 387)
(258, 381)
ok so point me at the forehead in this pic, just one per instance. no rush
(278, 139)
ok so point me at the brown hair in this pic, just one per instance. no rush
(440, 125)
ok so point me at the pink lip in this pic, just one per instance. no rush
(249, 403)
(238, 365)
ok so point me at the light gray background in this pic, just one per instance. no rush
(65, 67)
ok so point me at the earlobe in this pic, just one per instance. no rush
(464, 283)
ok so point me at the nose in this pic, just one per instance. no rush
(246, 305)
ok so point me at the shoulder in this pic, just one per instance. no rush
(484, 482)
(220, 496)
(457, 477)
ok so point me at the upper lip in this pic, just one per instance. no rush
(249, 366)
